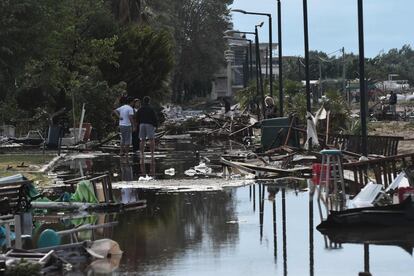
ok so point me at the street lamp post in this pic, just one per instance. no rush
(270, 42)
(279, 27)
(306, 39)
(259, 71)
(250, 50)
(362, 85)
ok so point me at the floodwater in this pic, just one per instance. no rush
(233, 232)
(250, 230)
(180, 155)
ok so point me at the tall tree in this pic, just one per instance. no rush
(200, 45)
(21, 32)
(145, 62)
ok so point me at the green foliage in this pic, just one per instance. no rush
(339, 110)
(247, 96)
(198, 33)
(145, 62)
(20, 33)
(9, 110)
(24, 268)
(99, 99)
(395, 61)
(296, 104)
(48, 46)
(73, 43)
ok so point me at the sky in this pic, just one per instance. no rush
(333, 24)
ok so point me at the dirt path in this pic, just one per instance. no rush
(396, 128)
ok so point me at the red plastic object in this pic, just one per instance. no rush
(88, 130)
(403, 193)
(317, 171)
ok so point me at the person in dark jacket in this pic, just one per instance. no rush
(147, 124)
(392, 101)
(135, 134)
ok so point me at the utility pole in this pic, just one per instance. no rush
(267, 62)
(306, 39)
(259, 71)
(279, 26)
(246, 69)
(270, 54)
(320, 78)
(362, 86)
(251, 59)
(269, 16)
(344, 74)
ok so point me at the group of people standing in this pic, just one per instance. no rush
(137, 124)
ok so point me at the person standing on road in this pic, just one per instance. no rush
(392, 101)
(125, 114)
(147, 125)
(135, 133)
(270, 109)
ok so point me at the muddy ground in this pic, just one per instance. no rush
(396, 128)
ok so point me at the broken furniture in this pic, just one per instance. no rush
(390, 215)
(380, 145)
(15, 197)
(331, 172)
(384, 170)
(33, 138)
(90, 193)
(276, 131)
(103, 180)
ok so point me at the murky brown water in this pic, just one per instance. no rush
(252, 230)
(221, 233)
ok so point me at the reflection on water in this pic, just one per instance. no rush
(172, 224)
(238, 252)
(263, 229)
(180, 155)
(223, 233)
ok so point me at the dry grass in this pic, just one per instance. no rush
(26, 164)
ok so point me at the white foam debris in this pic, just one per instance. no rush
(190, 172)
(50, 165)
(86, 155)
(146, 178)
(184, 185)
(170, 171)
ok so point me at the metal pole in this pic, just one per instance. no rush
(305, 26)
(229, 80)
(246, 69)
(362, 87)
(279, 20)
(271, 55)
(311, 237)
(343, 71)
(320, 79)
(366, 258)
(256, 40)
(251, 59)
(259, 65)
(284, 233)
(267, 62)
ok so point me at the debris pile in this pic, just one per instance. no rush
(212, 124)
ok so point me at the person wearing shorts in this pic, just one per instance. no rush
(147, 125)
(125, 114)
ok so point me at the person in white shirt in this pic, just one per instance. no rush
(125, 114)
